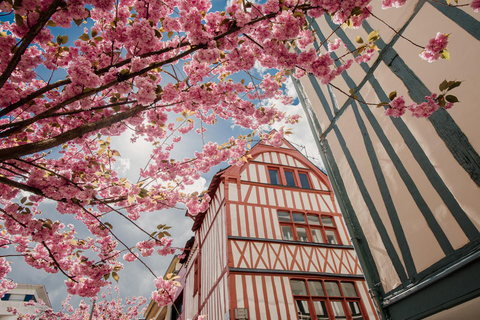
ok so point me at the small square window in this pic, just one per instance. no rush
(298, 287)
(298, 217)
(321, 310)
(273, 173)
(302, 234)
(304, 180)
(316, 288)
(349, 289)
(284, 216)
(338, 310)
(327, 221)
(331, 237)
(287, 233)
(332, 289)
(317, 236)
(313, 219)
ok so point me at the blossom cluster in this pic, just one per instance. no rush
(435, 47)
(397, 107)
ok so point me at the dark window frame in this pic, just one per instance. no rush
(309, 226)
(282, 178)
(327, 299)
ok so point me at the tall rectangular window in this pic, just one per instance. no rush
(274, 178)
(289, 177)
(304, 180)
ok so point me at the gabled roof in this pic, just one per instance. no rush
(230, 170)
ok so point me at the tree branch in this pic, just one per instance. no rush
(27, 39)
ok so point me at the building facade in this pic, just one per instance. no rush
(273, 245)
(407, 187)
(17, 297)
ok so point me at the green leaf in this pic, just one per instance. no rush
(373, 36)
(454, 85)
(358, 39)
(392, 95)
(115, 276)
(109, 225)
(19, 20)
(443, 86)
(84, 37)
(451, 98)
(98, 38)
(381, 104)
(170, 34)
(78, 22)
(64, 39)
(94, 33)
(106, 276)
(50, 23)
(445, 54)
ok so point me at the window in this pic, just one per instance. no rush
(29, 297)
(196, 277)
(274, 177)
(326, 299)
(289, 177)
(304, 180)
(309, 227)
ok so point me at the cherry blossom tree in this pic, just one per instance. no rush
(158, 69)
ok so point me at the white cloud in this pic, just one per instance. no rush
(259, 68)
(198, 186)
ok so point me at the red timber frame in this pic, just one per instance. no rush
(258, 258)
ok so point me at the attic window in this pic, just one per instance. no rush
(274, 179)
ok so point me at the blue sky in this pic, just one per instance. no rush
(135, 279)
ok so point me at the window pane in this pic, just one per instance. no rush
(316, 288)
(320, 310)
(298, 217)
(317, 236)
(287, 233)
(284, 216)
(304, 180)
(302, 234)
(273, 176)
(290, 179)
(355, 310)
(349, 289)
(16, 297)
(298, 288)
(331, 238)
(313, 219)
(332, 289)
(303, 312)
(328, 222)
(338, 311)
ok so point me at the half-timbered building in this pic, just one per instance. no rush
(408, 188)
(273, 245)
